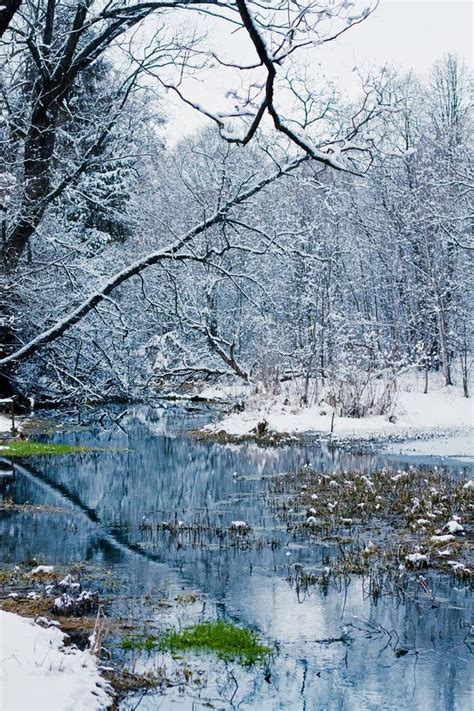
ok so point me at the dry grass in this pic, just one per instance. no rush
(9, 505)
(98, 624)
(28, 608)
(380, 521)
(264, 439)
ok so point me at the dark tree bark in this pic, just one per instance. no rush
(6, 375)
(7, 10)
(39, 148)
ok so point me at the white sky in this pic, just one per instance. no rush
(411, 34)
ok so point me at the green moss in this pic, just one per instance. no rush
(224, 639)
(25, 448)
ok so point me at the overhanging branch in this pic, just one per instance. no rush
(170, 252)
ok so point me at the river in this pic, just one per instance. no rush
(153, 471)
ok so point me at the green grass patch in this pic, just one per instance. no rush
(25, 448)
(226, 640)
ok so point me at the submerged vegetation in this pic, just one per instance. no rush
(385, 524)
(226, 640)
(8, 505)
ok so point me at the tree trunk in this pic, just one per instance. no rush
(39, 148)
(6, 374)
(7, 346)
(465, 380)
(443, 345)
(7, 10)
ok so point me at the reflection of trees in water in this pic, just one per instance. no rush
(78, 538)
(172, 474)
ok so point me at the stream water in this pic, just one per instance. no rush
(154, 472)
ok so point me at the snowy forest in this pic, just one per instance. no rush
(296, 234)
(236, 355)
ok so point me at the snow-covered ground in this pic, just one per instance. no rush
(442, 411)
(5, 424)
(223, 392)
(460, 446)
(38, 672)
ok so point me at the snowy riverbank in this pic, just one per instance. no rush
(457, 446)
(37, 671)
(5, 424)
(441, 412)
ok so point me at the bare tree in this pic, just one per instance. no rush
(173, 251)
(59, 43)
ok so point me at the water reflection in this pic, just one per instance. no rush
(157, 473)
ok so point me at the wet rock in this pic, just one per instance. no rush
(261, 429)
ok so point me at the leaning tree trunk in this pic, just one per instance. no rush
(9, 343)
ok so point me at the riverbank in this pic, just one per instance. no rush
(39, 671)
(442, 412)
(5, 424)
